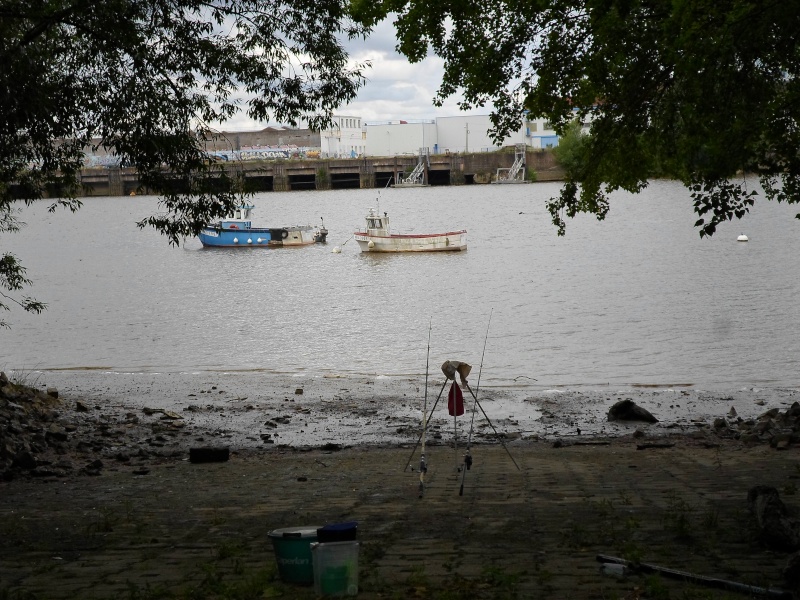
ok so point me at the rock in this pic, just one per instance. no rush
(791, 573)
(207, 455)
(56, 433)
(52, 392)
(299, 391)
(776, 530)
(81, 406)
(25, 461)
(628, 410)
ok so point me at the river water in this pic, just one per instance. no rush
(636, 300)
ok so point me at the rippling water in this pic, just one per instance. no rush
(636, 299)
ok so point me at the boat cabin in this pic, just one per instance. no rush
(239, 219)
(377, 222)
(243, 212)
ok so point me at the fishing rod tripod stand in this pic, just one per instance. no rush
(456, 408)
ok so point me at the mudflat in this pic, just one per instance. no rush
(533, 518)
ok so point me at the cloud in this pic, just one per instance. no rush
(395, 89)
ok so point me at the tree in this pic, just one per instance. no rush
(145, 78)
(705, 91)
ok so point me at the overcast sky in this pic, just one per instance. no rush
(395, 90)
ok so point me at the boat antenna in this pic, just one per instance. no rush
(378, 199)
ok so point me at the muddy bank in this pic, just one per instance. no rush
(133, 419)
(369, 410)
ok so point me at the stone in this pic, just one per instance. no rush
(207, 455)
(791, 573)
(777, 531)
(770, 414)
(628, 410)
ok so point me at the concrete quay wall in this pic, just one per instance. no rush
(326, 174)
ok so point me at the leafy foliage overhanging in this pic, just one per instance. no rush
(705, 91)
(143, 78)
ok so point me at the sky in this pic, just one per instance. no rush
(395, 89)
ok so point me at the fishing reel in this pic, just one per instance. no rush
(468, 461)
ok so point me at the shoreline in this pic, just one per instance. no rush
(89, 421)
(244, 410)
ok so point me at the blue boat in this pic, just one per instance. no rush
(237, 231)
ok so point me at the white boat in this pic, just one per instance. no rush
(376, 237)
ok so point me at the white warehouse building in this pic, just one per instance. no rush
(345, 138)
(444, 135)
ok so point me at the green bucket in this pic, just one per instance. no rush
(293, 553)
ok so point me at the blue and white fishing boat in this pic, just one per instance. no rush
(237, 231)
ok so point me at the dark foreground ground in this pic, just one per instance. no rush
(175, 529)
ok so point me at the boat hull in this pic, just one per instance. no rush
(253, 237)
(452, 241)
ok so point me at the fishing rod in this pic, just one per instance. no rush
(467, 455)
(435, 404)
(423, 466)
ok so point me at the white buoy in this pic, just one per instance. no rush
(249, 240)
(259, 240)
(742, 238)
(235, 240)
(336, 250)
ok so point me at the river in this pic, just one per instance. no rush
(636, 300)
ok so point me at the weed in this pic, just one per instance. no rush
(25, 377)
(417, 577)
(499, 579)
(104, 524)
(603, 508)
(710, 518)
(544, 578)
(655, 588)
(6, 594)
(229, 550)
(632, 552)
(677, 517)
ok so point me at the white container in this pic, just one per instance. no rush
(335, 568)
